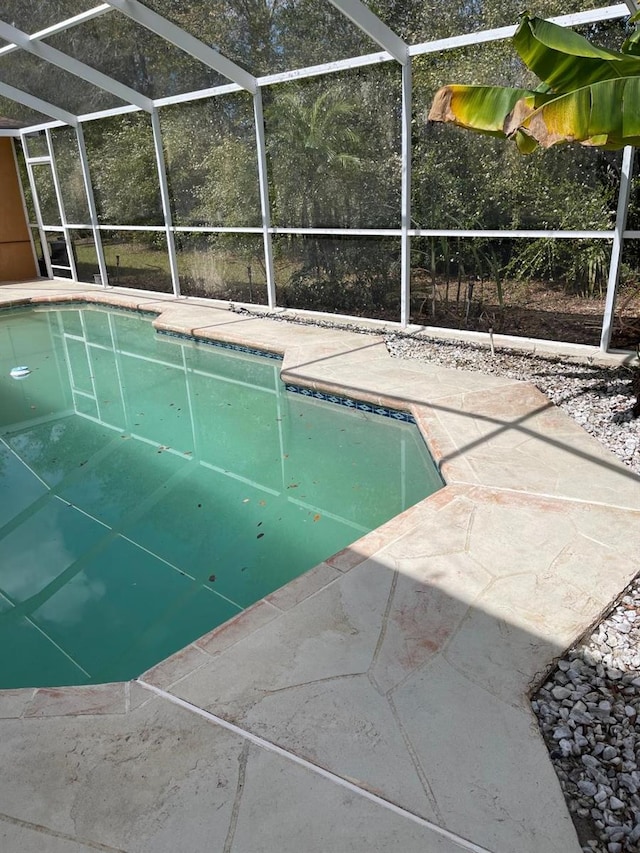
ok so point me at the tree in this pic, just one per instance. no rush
(318, 135)
(121, 157)
(333, 153)
(588, 94)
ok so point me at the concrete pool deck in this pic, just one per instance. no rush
(380, 701)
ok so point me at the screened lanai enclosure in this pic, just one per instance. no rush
(278, 153)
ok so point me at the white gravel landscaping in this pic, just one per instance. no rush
(598, 398)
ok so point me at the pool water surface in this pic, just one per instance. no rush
(151, 488)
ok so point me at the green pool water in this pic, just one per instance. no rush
(152, 488)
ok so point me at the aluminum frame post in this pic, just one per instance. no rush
(616, 249)
(61, 207)
(405, 204)
(166, 201)
(265, 208)
(36, 206)
(91, 202)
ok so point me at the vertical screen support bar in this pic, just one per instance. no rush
(91, 202)
(166, 201)
(405, 216)
(616, 249)
(36, 205)
(61, 208)
(264, 197)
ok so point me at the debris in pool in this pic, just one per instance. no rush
(260, 535)
(317, 517)
(20, 372)
(258, 524)
(212, 578)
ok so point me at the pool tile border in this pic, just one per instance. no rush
(352, 403)
(349, 402)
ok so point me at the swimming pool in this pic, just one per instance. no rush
(152, 488)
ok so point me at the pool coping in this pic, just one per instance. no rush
(502, 448)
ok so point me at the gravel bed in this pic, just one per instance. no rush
(600, 399)
(588, 708)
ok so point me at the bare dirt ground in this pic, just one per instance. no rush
(530, 309)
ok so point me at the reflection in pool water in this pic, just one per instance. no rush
(152, 488)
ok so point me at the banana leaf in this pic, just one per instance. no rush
(485, 109)
(566, 61)
(605, 114)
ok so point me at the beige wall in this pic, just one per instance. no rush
(16, 254)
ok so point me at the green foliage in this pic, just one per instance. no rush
(581, 266)
(65, 148)
(210, 151)
(222, 266)
(266, 36)
(123, 170)
(333, 147)
(468, 180)
(588, 94)
(346, 276)
(315, 133)
(333, 150)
